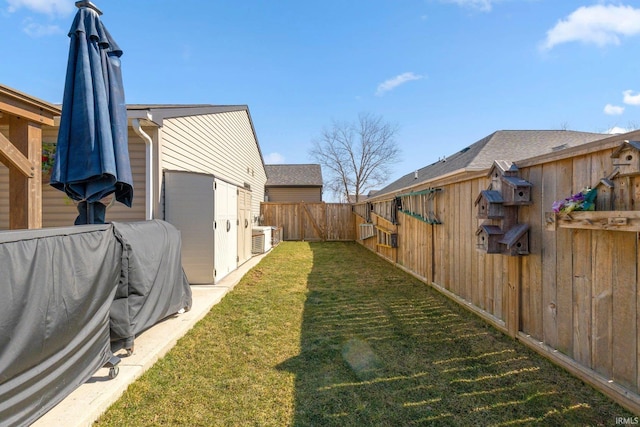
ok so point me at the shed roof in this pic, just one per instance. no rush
(301, 175)
(512, 145)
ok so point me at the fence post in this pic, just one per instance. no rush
(301, 220)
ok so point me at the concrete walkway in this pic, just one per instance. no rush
(90, 400)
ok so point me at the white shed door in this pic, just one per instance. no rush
(244, 225)
(226, 228)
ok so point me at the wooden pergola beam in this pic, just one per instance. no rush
(11, 157)
(18, 104)
(25, 192)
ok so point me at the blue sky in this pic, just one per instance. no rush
(447, 72)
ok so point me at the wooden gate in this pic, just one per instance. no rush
(310, 221)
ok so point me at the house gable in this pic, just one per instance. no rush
(294, 183)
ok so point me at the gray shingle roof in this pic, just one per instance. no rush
(309, 175)
(511, 145)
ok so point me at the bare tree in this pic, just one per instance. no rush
(357, 155)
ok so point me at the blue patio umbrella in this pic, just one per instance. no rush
(92, 156)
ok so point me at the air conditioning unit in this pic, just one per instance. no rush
(260, 240)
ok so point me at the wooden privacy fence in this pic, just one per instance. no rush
(310, 221)
(567, 286)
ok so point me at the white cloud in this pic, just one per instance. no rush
(599, 24)
(617, 130)
(49, 7)
(483, 5)
(630, 99)
(38, 30)
(613, 110)
(396, 81)
(274, 159)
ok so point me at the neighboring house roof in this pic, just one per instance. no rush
(294, 175)
(512, 145)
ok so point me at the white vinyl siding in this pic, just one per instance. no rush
(221, 144)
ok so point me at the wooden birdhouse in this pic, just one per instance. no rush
(516, 240)
(516, 191)
(488, 238)
(489, 203)
(501, 168)
(627, 158)
(605, 188)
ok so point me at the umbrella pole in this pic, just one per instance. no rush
(90, 219)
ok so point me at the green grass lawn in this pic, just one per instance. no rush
(329, 334)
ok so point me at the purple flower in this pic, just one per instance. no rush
(578, 197)
(577, 201)
(557, 205)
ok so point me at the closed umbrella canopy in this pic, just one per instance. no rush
(92, 156)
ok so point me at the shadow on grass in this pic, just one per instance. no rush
(379, 347)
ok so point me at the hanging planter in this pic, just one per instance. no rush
(582, 201)
(48, 159)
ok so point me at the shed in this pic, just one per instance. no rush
(205, 210)
(294, 183)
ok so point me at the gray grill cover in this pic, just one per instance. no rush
(68, 294)
(57, 287)
(152, 283)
